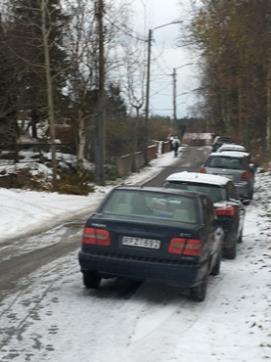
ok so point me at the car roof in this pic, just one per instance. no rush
(232, 147)
(157, 190)
(230, 154)
(197, 177)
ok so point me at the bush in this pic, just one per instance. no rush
(26, 180)
(75, 183)
(111, 172)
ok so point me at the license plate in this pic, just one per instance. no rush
(141, 242)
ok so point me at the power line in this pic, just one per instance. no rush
(159, 92)
(164, 68)
(127, 31)
(162, 59)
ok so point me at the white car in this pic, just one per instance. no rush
(231, 147)
(234, 165)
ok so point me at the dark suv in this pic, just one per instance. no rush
(219, 141)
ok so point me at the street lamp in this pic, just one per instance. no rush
(147, 109)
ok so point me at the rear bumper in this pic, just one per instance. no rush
(183, 275)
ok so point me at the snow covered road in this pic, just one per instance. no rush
(55, 319)
(47, 315)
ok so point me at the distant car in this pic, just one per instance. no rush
(229, 209)
(235, 166)
(219, 141)
(153, 234)
(231, 147)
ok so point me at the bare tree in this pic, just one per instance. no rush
(134, 85)
(81, 44)
(83, 79)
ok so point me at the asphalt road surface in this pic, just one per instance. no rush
(16, 262)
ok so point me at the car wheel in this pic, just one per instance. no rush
(91, 279)
(231, 252)
(198, 293)
(216, 268)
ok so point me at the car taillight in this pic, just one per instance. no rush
(93, 236)
(202, 169)
(187, 247)
(246, 176)
(225, 211)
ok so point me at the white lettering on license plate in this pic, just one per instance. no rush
(140, 242)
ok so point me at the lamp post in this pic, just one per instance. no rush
(148, 81)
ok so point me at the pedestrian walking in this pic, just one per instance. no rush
(176, 143)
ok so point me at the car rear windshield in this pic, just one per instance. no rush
(232, 163)
(152, 205)
(214, 192)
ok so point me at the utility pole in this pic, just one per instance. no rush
(100, 116)
(147, 110)
(174, 75)
(268, 81)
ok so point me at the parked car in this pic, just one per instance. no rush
(231, 147)
(229, 209)
(235, 166)
(154, 234)
(236, 152)
(219, 141)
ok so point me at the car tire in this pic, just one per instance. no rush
(231, 252)
(240, 240)
(91, 279)
(216, 268)
(198, 293)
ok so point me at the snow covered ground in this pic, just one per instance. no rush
(55, 319)
(23, 211)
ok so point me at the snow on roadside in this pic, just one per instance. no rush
(26, 211)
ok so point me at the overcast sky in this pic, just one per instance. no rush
(167, 55)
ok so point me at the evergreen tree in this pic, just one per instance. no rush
(115, 103)
(28, 48)
(8, 90)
